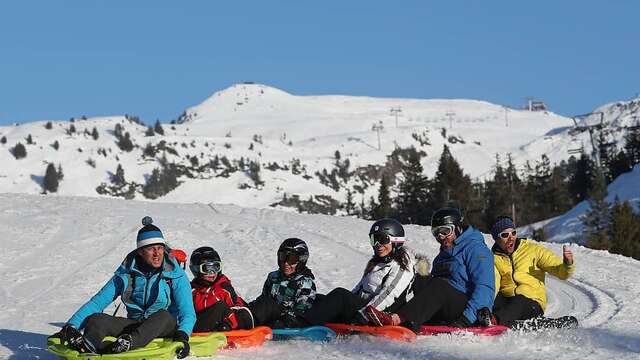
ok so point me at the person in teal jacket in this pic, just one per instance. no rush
(460, 290)
(156, 293)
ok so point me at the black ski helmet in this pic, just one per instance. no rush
(295, 246)
(199, 255)
(447, 216)
(391, 227)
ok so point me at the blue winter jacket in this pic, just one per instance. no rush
(468, 266)
(166, 290)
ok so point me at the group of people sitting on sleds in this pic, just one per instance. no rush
(468, 285)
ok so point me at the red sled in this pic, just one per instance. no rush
(492, 330)
(239, 339)
(397, 333)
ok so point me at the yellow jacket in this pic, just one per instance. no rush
(522, 273)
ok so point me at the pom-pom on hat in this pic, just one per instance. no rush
(149, 234)
(502, 222)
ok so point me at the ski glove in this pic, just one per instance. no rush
(69, 334)
(462, 322)
(181, 336)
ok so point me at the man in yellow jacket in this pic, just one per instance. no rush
(520, 267)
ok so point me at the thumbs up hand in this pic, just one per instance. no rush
(567, 255)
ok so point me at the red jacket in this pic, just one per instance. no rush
(205, 296)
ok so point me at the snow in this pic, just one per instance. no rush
(58, 251)
(569, 228)
(308, 128)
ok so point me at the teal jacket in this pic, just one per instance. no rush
(144, 294)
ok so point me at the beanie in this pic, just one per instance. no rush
(149, 234)
(503, 222)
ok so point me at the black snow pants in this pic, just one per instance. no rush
(211, 318)
(340, 305)
(160, 324)
(435, 302)
(509, 309)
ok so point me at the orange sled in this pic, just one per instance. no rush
(397, 333)
(245, 338)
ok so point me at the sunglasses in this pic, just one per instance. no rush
(443, 231)
(210, 267)
(505, 235)
(381, 238)
(288, 257)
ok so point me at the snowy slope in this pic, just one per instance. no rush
(58, 251)
(281, 127)
(569, 228)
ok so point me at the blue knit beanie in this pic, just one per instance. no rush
(504, 222)
(149, 234)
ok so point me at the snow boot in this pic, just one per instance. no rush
(377, 317)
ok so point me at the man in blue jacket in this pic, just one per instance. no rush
(156, 293)
(461, 284)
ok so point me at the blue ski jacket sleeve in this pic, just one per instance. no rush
(481, 275)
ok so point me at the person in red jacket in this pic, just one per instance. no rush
(218, 306)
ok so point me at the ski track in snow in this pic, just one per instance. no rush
(59, 251)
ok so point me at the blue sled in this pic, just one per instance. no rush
(312, 333)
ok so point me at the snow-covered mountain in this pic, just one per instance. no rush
(292, 139)
(58, 251)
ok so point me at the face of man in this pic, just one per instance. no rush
(288, 269)
(507, 240)
(153, 255)
(446, 242)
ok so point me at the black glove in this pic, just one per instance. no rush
(462, 322)
(182, 337)
(69, 334)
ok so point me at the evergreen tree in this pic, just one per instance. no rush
(3, 140)
(55, 145)
(450, 186)
(19, 151)
(383, 207)
(597, 219)
(60, 173)
(580, 182)
(632, 144)
(29, 140)
(117, 131)
(619, 165)
(94, 133)
(349, 205)
(254, 173)
(411, 201)
(72, 129)
(625, 230)
(149, 132)
(118, 177)
(48, 125)
(161, 181)
(498, 195)
(158, 128)
(50, 183)
(125, 143)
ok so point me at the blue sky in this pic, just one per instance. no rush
(62, 59)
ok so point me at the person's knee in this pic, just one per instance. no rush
(96, 319)
(165, 319)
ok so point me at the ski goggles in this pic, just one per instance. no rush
(290, 258)
(210, 267)
(506, 234)
(381, 238)
(443, 231)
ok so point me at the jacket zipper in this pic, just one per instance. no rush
(513, 274)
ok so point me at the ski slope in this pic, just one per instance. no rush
(58, 251)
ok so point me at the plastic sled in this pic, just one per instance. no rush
(244, 338)
(312, 333)
(397, 333)
(157, 349)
